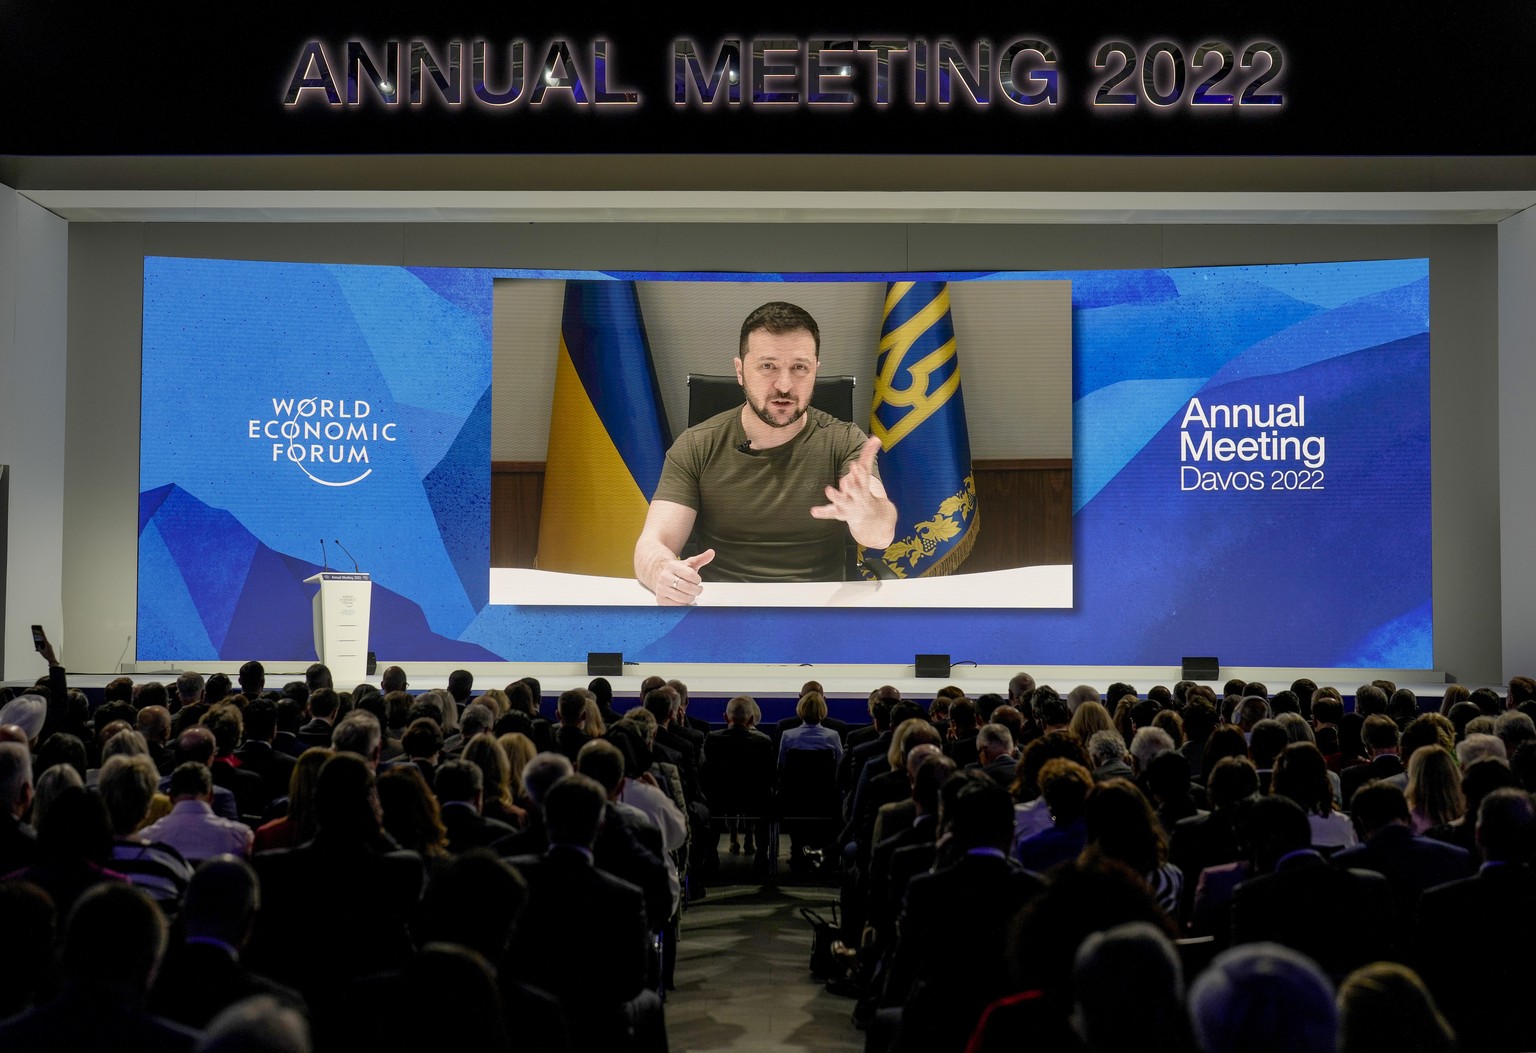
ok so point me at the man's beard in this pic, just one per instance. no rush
(765, 414)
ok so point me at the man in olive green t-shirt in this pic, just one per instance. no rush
(751, 480)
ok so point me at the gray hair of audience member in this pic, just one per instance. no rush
(1385, 1006)
(1297, 728)
(259, 1024)
(543, 772)
(1080, 694)
(1251, 710)
(115, 937)
(739, 709)
(573, 811)
(27, 712)
(124, 744)
(994, 737)
(477, 717)
(1474, 748)
(1106, 747)
(1147, 743)
(48, 786)
(1483, 725)
(189, 686)
(15, 776)
(221, 901)
(1513, 727)
(917, 754)
(359, 733)
(127, 784)
(1128, 990)
(1263, 998)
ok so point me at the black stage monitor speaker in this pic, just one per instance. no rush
(605, 663)
(1202, 668)
(373, 663)
(932, 665)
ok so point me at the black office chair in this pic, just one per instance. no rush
(809, 805)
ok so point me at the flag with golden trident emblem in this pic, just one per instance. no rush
(919, 417)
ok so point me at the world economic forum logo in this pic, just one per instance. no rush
(325, 438)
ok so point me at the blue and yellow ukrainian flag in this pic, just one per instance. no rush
(608, 434)
(919, 417)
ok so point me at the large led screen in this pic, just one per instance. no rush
(1237, 444)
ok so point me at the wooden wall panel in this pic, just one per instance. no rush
(1026, 513)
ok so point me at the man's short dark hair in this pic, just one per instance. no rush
(423, 710)
(192, 779)
(116, 934)
(1370, 699)
(962, 714)
(392, 680)
(423, 738)
(1506, 825)
(323, 702)
(658, 703)
(931, 775)
(603, 762)
(317, 676)
(458, 780)
(976, 811)
(260, 720)
(778, 318)
(1379, 732)
(189, 686)
(573, 703)
(290, 713)
(217, 688)
(573, 810)
(397, 705)
(460, 683)
(252, 675)
(118, 690)
(1271, 827)
(298, 691)
(1327, 710)
(1376, 804)
(227, 726)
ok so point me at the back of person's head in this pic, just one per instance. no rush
(1050, 709)
(323, 702)
(603, 762)
(1385, 1008)
(1431, 729)
(358, 732)
(1147, 744)
(257, 1024)
(660, 703)
(1327, 710)
(1515, 729)
(191, 779)
(739, 710)
(541, 773)
(1080, 694)
(115, 937)
(318, 676)
(484, 879)
(152, 693)
(1370, 700)
(1296, 727)
(572, 706)
(1200, 719)
(975, 811)
(1302, 775)
(189, 687)
(1263, 998)
(1474, 748)
(423, 738)
(458, 780)
(1403, 706)
(75, 827)
(477, 718)
(393, 679)
(1167, 776)
(962, 715)
(460, 683)
(1128, 991)
(1088, 719)
(221, 901)
(343, 798)
(1506, 825)
(1251, 710)
(62, 748)
(1271, 827)
(1122, 826)
(812, 707)
(397, 707)
(227, 725)
(1380, 732)
(1233, 780)
(260, 720)
(127, 787)
(931, 775)
(1047, 747)
(1105, 747)
(15, 777)
(573, 811)
(1378, 804)
(1064, 785)
(993, 738)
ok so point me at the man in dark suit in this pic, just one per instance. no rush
(740, 769)
(204, 974)
(961, 746)
(1486, 919)
(881, 699)
(337, 907)
(256, 753)
(460, 789)
(945, 971)
(249, 788)
(688, 720)
(154, 723)
(1389, 846)
(994, 754)
(322, 710)
(929, 769)
(602, 690)
(1380, 735)
(1342, 919)
(593, 960)
(572, 733)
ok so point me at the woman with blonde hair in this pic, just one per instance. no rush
(1434, 788)
(1089, 719)
(485, 753)
(497, 699)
